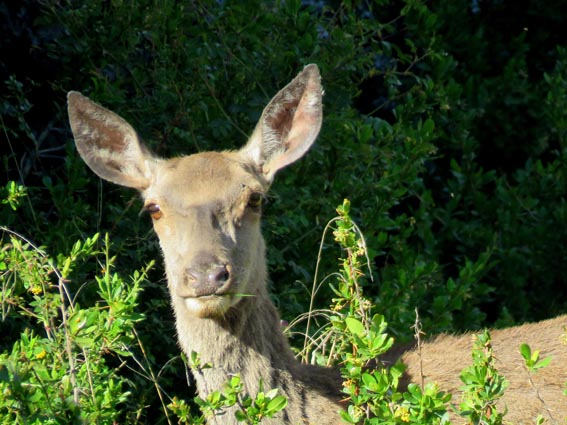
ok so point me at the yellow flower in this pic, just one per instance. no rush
(41, 355)
(402, 413)
(36, 290)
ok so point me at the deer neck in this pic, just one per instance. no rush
(247, 340)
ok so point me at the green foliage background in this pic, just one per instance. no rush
(445, 125)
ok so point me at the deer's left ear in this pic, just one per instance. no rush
(289, 124)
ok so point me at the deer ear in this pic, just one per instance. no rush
(108, 144)
(289, 124)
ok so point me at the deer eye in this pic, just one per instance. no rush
(255, 200)
(154, 210)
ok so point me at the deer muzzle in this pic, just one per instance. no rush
(207, 277)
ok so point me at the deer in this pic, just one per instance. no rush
(441, 360)
(206, 210)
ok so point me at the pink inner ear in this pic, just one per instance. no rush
(298, 125)
(281, 120)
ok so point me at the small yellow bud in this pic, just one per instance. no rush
(36, 290)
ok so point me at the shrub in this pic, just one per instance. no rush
(445, 132)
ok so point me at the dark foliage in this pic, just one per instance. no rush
(445, 125)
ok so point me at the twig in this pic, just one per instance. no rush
(417, 333)
(538, 395)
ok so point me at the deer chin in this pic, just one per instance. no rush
(209, 306)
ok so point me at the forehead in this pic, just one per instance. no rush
(203, 178)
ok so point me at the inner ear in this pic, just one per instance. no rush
(278, 122)
(297, 123)
(289, 124)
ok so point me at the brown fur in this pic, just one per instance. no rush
(442, 359)
(205, 210)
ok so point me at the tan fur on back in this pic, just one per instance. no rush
(443, 358)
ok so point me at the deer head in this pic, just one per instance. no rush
(205, 207)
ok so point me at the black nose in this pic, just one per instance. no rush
(206, 278)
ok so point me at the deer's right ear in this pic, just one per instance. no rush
(108, 144)
(289, 124)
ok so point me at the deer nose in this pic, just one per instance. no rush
(206, 280)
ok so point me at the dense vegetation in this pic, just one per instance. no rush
(445, 126)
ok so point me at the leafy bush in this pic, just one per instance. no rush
(66, 364)
(445, 132)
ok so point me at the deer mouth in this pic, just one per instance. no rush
(208, 294)
(204, 290)
(209, 306)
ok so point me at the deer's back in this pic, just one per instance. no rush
(443, 358)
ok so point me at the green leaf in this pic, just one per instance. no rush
(355, 326)
(369, 381)
(543, 363)
(276, 404)
(526, 351)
